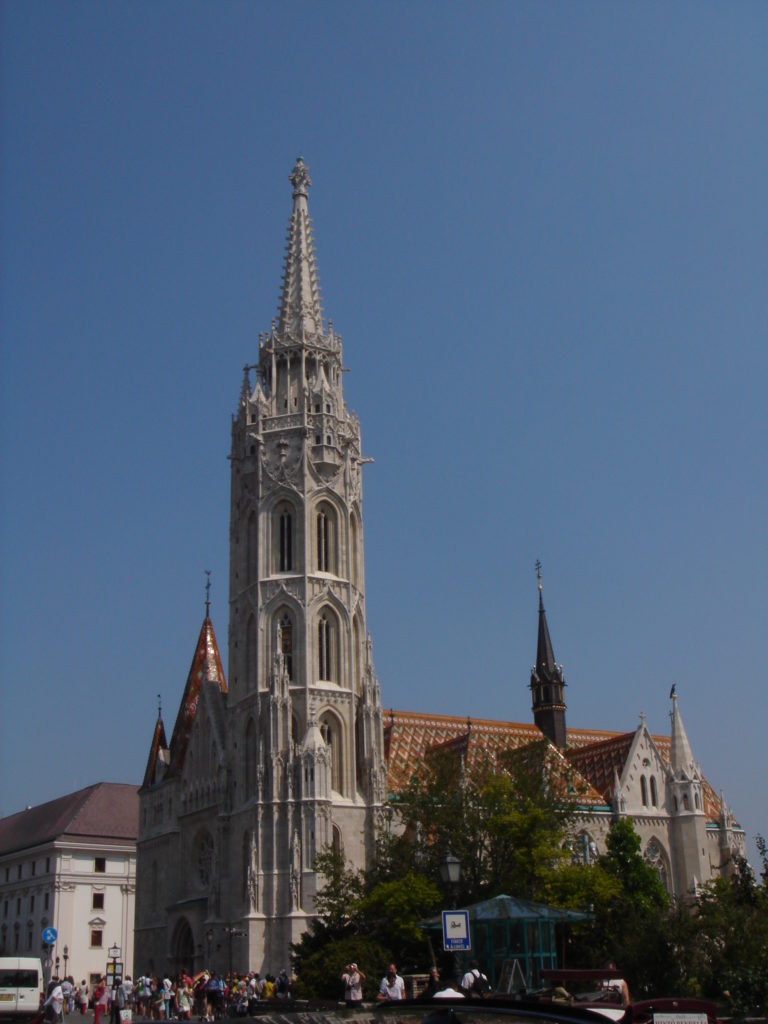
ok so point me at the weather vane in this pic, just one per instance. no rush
(207, 593)
(538, 572)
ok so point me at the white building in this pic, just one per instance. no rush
(70, 865)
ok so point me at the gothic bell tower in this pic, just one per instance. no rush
(303, 692)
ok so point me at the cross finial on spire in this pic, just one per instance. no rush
(300, 178)
(538, 574)
(159, 706)
(208, 593)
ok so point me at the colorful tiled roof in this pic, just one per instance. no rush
(594, 753)
(409, 737)
(105, 810)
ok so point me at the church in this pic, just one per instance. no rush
(291, 751)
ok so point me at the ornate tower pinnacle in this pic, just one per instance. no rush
(547, 681)
(300, 312)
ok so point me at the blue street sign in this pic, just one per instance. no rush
(456, 930)
(49, 936)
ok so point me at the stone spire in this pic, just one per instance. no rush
(681, 755)
(547, 682)
(300, 311)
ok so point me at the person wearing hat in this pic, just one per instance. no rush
(353, 979)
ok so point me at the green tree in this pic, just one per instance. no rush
(339, 893)
(367, 921)
(506, 820)
(732, 938)
(392, 913)
(340, 888)
(631, 920)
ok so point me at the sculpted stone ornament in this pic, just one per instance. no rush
(296, 871)
(253, 871)
(300, 179)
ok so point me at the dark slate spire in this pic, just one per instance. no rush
(547, 681)
(545, 656)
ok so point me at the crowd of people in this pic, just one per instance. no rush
(205, 997)
(208, 996)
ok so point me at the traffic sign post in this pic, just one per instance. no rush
(456, 937)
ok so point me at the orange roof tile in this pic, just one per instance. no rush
(593, 753)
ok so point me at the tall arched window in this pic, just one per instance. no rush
(336, 844)
(326, 538)
(323, 541)
(330, 729)
(324, 648)
(284, 561)
(286, 639)
(654, 792)
(644, 790)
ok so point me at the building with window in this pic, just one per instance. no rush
(70, 865)
(293, 753)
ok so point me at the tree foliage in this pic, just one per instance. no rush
(366, 921)
(505, 820)
(730, 947)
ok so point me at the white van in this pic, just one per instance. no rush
(21, 986)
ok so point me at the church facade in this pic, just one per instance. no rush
(293, 753)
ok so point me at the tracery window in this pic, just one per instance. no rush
(654, 857)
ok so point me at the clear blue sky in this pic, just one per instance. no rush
(542, 231)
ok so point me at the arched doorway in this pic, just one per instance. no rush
(183, 947)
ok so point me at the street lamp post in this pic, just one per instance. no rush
(231, 931)
(450, 873)
(58, 961)
(114, 955)
(66, 958)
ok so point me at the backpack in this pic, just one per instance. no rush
(480, 985)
